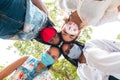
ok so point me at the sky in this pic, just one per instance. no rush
(7, 56)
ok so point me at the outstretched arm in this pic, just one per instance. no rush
(9, 69)
(40, 5)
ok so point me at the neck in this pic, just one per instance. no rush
(40, 67)
(82, 58)
(119, 8)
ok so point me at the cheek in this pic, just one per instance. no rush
(57, 37)
(65, 37)
(56, 59)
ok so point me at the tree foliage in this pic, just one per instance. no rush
(65, 70)
(118, 36)
(33, 48)
(85, 35)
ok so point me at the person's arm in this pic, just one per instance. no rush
(92, 11)
(108, 62)
(10, 68)
(40, 5)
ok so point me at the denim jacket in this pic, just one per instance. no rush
(15, 17)
(12, 14)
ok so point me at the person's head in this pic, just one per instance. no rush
(54, 52)
(50, 56)
(65, 6)
(70, 31)
(72, 50)
(72, 27)
(50, 35)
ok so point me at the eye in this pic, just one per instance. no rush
(55, 36)
(65, 33)
(51, 41)
(72, 36)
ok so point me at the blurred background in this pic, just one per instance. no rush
(61, 70)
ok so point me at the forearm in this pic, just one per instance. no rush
(40, 5)
(9, 69)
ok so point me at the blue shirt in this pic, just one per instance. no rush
(28, 70)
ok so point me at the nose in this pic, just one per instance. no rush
(56, 40)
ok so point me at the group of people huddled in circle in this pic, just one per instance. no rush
(97, 59)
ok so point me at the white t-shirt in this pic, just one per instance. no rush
(103, 59)
(93, 12)
(86, 72)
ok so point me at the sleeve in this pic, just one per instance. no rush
(35, 18)
(91, 11)
(65, 5)
(108, 62)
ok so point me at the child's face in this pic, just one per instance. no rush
(68, 37)
(55, 40)
(54, 52)
(72, 50)
(70, 31)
